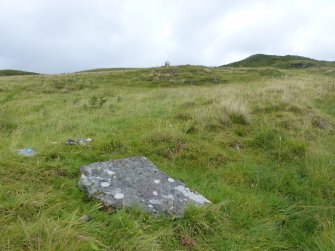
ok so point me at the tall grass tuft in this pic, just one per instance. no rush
(232, 111)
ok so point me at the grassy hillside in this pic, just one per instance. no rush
(289, 61)
(109, 69)
(259, 143)
(15, 73)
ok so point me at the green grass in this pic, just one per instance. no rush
(327, 104)
(260, 144)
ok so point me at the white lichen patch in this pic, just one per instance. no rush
(119, 196)
(110, 172)
(170, 180)
(155, 202)
(157, 181)
(84, 180)
(155, 193)
(105, 184)
(151, 206)
(192, 196)
(169, 196)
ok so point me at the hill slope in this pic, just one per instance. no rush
(288, 61)
(15, 73)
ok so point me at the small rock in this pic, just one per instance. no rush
(80, 141)
(85, 218)
(235, 145)
(70, 142)
(215, 80)
(319, 123)
(84, 141)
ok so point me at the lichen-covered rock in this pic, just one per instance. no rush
(137, 182)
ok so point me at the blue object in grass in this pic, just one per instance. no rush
(26, 152)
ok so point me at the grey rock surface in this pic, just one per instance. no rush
(137, 182)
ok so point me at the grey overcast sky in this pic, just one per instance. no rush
(54, 36)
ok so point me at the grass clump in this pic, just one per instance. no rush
(7, 124)
(224, 112)
(97, 102)
(166, 144)
(230, 111)
(278, 146)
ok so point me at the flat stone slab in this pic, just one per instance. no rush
(136, 181)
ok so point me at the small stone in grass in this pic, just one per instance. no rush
(85, 218)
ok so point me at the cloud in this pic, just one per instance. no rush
(63, 36)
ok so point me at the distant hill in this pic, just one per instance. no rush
(288, 61)
(108, 69)
(15, 73)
